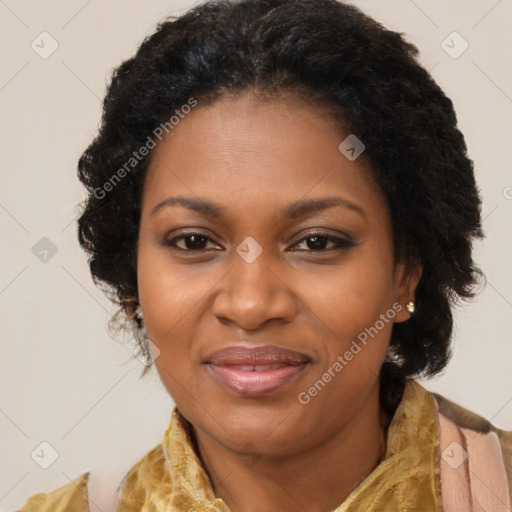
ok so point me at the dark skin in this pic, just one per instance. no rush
(253, 158)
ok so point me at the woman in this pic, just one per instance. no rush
(282, 205)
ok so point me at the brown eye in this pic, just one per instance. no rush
(317, 243)
(192, 242)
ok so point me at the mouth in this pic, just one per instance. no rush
(256, 371)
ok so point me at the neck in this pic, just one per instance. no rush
(317, 479)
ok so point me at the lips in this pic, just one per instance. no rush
(256, 371)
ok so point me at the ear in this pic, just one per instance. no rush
(406, 278)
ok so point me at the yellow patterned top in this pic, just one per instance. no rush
(170, 477)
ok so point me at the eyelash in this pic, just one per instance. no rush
(340, 243)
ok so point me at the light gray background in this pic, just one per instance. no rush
(63, 380)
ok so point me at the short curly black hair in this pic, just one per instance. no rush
(354, 69)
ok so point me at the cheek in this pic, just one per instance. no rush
(174, 298)
(168, 291)
(355, 307)
(352, 296)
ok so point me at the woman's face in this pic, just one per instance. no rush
(271, 335)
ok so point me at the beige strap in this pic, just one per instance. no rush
(473, 475)
(104, 490)
(455, 488)
(487, 472)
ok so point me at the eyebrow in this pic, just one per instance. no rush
(300, 208)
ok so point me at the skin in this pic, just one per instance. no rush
(254, 157)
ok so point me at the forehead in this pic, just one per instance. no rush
(266, 149)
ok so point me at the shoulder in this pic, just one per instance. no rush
(470, 420)
(71, 497)
(147, 473)
(476, 426)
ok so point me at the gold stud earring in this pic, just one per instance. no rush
(410, 306)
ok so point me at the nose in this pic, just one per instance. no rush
(253, 293)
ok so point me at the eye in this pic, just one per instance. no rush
(192, 242)
(318, 241)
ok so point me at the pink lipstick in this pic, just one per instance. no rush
(256, 371)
